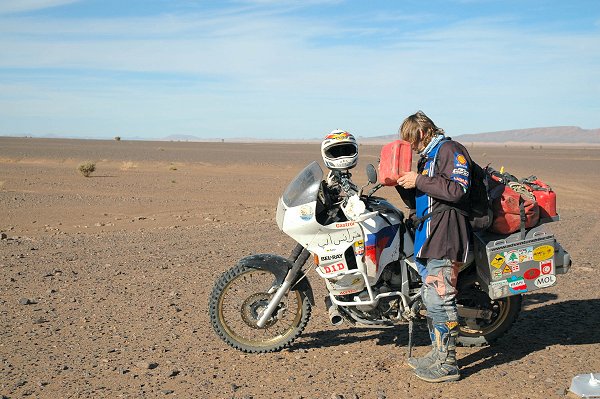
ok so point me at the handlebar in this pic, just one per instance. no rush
(372, 191)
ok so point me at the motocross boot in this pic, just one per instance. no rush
(429, 358)
(445, 367)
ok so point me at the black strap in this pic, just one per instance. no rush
(523, 217)
(440, 208)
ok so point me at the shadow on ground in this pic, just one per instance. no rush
(573, 322)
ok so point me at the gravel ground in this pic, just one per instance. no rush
(105, 280)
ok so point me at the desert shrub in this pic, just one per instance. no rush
(126, 165)
(117, 138)
(87, 168)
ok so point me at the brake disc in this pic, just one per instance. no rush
(253, 307)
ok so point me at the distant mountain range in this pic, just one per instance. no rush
(565, 135)
(538, 135)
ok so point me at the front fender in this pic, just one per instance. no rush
(279, 266)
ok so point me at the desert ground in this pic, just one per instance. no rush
(105, 280)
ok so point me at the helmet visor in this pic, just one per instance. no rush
(341, 150)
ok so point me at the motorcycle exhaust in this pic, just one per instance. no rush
(335, 318)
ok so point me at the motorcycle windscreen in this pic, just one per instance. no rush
(305, 187)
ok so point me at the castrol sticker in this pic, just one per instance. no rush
(547, 266)
(543, 252)
(545, 281)
(344, 225)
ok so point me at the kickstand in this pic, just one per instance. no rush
(410, 336)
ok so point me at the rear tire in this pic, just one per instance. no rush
(480, 332)
(238, 297)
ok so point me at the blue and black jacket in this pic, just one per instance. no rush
(443, 231)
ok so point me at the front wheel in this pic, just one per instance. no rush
(490, 318)
(235, 305)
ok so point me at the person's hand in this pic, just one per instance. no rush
(408, 179)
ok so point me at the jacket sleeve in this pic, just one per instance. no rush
(451, 178)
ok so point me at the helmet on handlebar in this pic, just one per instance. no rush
(339, 150)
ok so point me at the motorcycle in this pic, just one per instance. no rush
(362, 246)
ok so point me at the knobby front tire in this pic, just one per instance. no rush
(237, 299)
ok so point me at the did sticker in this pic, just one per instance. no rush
(543, 252)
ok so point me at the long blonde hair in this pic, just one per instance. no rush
(416, 123)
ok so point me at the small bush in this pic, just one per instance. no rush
(127, 165)
(117, 138)
(87, 168)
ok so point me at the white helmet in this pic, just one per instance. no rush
(339, 150)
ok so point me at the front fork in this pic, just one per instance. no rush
(299, 256)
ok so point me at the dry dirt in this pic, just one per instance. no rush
(105, 280)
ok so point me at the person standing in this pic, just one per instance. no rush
(439, 193)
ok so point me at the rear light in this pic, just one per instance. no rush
(316, 259)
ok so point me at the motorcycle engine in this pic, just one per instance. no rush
(383, 307)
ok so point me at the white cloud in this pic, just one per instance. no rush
(264, 68)
(17, 6)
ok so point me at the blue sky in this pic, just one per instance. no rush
(294, 69)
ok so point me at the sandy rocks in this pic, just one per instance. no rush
(146, 365)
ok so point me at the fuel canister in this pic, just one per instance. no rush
(395, 158)
(545, 197)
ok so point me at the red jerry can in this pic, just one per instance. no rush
(545, 197)
(395, 158)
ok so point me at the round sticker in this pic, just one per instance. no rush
(543, 252)
(306, 212)
(531, 274)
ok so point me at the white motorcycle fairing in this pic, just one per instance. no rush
(351, 255)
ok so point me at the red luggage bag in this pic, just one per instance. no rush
(507, 210)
